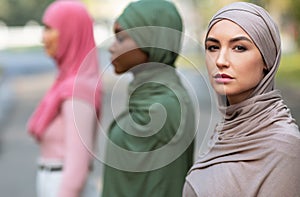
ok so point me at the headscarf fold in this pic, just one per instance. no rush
(159, 37)
(248, 146)
(76, 60)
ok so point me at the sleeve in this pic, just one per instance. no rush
(188, 190)
(80, 127)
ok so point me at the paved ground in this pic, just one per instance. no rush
(18, 151)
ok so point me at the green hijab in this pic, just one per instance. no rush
(159, 37)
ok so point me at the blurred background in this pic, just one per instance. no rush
(26, 73)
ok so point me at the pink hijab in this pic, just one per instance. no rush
(76, 61)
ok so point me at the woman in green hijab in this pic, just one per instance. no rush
(150, 146)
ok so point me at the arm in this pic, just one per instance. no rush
(79, 133)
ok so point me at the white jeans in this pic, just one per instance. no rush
(48, 184)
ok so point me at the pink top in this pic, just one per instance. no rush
(71, 142)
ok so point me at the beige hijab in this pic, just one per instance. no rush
(255, 150)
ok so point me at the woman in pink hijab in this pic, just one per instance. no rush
(255, 149)
(65, 122)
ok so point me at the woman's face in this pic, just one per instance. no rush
(125, 53)
(234, 63)
(50, 40)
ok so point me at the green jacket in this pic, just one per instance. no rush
(151, 147)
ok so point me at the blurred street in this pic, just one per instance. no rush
(25, 80)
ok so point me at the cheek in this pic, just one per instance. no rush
(50, 39)
(132, 58)
(121, 58)
(210, 64)
(258, 75)
(255, 67)
(251, 75)
(56, 37)
(119, 50)
(125, 53)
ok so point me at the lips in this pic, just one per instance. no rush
(223, 78)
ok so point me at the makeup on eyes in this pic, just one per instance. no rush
(239, 44)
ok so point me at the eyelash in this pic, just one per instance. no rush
(211, 48)
(120, 38)
(238, 48)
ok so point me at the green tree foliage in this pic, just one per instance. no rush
(294, 15)
(19, 12)
(295, 7)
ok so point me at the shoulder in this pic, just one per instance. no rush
(286, 142)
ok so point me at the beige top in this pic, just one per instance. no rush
(265, 163)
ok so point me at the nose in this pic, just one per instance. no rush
(112, 47)
(43, 37)
(222, 59)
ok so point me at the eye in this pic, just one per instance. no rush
(240, 48)
(47, 28)
(211, 48)
(120, 38)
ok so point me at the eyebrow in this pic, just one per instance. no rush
(239, 38)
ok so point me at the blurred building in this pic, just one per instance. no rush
(195, 14)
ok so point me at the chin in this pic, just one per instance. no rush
(50, 54)
(219, 89)
(118, 72)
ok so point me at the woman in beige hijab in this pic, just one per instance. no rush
(255, 150)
